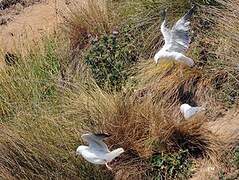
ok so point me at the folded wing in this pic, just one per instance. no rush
(95, 141)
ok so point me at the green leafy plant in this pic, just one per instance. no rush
(237, 157)
(175, 165)
(110, 57)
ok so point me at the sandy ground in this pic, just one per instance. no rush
(27, 25)
(227, 125)
(30, 25)
(227, 129)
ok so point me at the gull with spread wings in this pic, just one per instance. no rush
(97, 152)
(176, 40)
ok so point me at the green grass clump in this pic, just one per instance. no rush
(43, 146)
(30, 83)
(237, 157)
(37, 138)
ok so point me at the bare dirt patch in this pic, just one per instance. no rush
(4, 4)
(11, 8)
(23, 25)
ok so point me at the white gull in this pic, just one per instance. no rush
(189, 111)
(97, 152)
(176, 40)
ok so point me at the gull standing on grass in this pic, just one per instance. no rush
(176, 40)
(97, 152)
(189, 111)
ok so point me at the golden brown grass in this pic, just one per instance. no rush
(227, 31)
(43, 144)
(228, 41)
(142, 129)
(215, 47)
(87, 20)
(172, 84)
(39, 150)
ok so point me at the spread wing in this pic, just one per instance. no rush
(179, 39)
(165, 30)
(95, 141)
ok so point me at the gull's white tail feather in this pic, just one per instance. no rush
(113, 154)
(187, 61)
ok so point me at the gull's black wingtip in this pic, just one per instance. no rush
(190, 12)
(163, 13)
(194, 7)
(103, 135)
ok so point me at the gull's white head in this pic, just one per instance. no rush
(184, 107)
(81, 149)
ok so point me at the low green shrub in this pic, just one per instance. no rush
(109, 58)
(237, 157)
(170, 166)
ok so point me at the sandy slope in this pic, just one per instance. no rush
(30, 25)
(227, 129)
(227, 125)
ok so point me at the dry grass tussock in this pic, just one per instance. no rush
(216, 47)
(227, 27)
(228, 45)
(142, 129)
(172, 84)
(39, 150)
(42, 145)
(89, 20)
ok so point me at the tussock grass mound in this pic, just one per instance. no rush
(172, 84)
(144, 130)
(90, 19)
(97, 41)
(39, 149)
(34, 130)
(40, 143)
